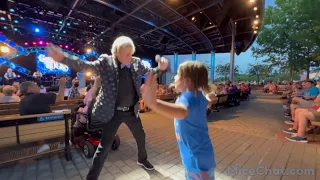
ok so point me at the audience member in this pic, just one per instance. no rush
(8, 95)
(35, 102)
(74, 91)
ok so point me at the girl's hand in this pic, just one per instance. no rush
(149, 90)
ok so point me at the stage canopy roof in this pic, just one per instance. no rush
(165, 26)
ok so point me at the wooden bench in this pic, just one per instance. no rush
(220, 101)
(13, 108)
(44, 126)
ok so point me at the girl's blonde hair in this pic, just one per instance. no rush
(197, 72)
(122, 42)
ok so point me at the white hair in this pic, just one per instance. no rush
(122, 42)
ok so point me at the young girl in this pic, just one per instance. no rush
(190, 121)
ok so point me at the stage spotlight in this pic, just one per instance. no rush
(36, 30)
(60, 22)
(4, 49)
(88, 73)
(11, 10)
(16, 21)
(34, 43)
(66, 46)
(5, 27)
(60, 46)
(3, 19)
(47, 43)
(26, 43)
(57, 30)
(88, 50)
(64, 32)
(40, 42)
(68, 24)
(72, 49)
(15, 29)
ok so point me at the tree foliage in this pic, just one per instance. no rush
(258, 70)
(224, 70)
(290, 36)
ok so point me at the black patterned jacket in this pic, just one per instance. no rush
(106, 66)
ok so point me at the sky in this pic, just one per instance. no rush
(244, 58)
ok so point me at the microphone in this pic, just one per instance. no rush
(158, 58)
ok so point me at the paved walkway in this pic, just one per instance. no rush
(245, 137)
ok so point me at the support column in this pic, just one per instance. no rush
(213, 59)
(194, 56)
(175, 63)
(231, 76)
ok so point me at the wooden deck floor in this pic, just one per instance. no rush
(245, 137)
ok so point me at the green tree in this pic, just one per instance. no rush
(290, 36)
(224, 70)
(258, 70)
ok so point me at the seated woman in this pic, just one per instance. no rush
(79, 127)
(8, 95)
(302, 120)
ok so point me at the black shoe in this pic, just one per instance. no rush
(146, 164)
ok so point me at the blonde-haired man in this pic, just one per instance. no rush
(118, 97)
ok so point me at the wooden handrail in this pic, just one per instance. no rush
(18, 117)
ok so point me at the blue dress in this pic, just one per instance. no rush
(193, 139)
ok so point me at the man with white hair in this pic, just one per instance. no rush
(9, 76)
(117, 101)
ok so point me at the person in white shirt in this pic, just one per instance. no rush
(37, 75)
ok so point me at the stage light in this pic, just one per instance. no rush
(47, 43)
(88, 73)
(68, 24)
(59, 37)
(89, 50)
(26, 43)
(64, 32)
(102, 32)
(255, 8)
(4, 49)
(11, 10)
(57, 30)
(36, 30)
(257, 16)
(40, 42)
(255, 32)
(256, 22)
(72, 49)
(66, 46)
(61, 46)
(34, 43)
(60, 22)
(5, 27)
(3, 19)
(15, 29)
(16, 21)
(193, 18)
(101, 39)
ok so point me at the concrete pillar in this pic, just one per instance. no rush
(231, 76)
(194, 56)
(213, 59)
(175, 62)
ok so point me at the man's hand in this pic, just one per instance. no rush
(163, 64)
(55, 53)
(149, 90)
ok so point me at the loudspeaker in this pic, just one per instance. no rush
(4, 6)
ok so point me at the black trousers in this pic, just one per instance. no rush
(134, 124)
